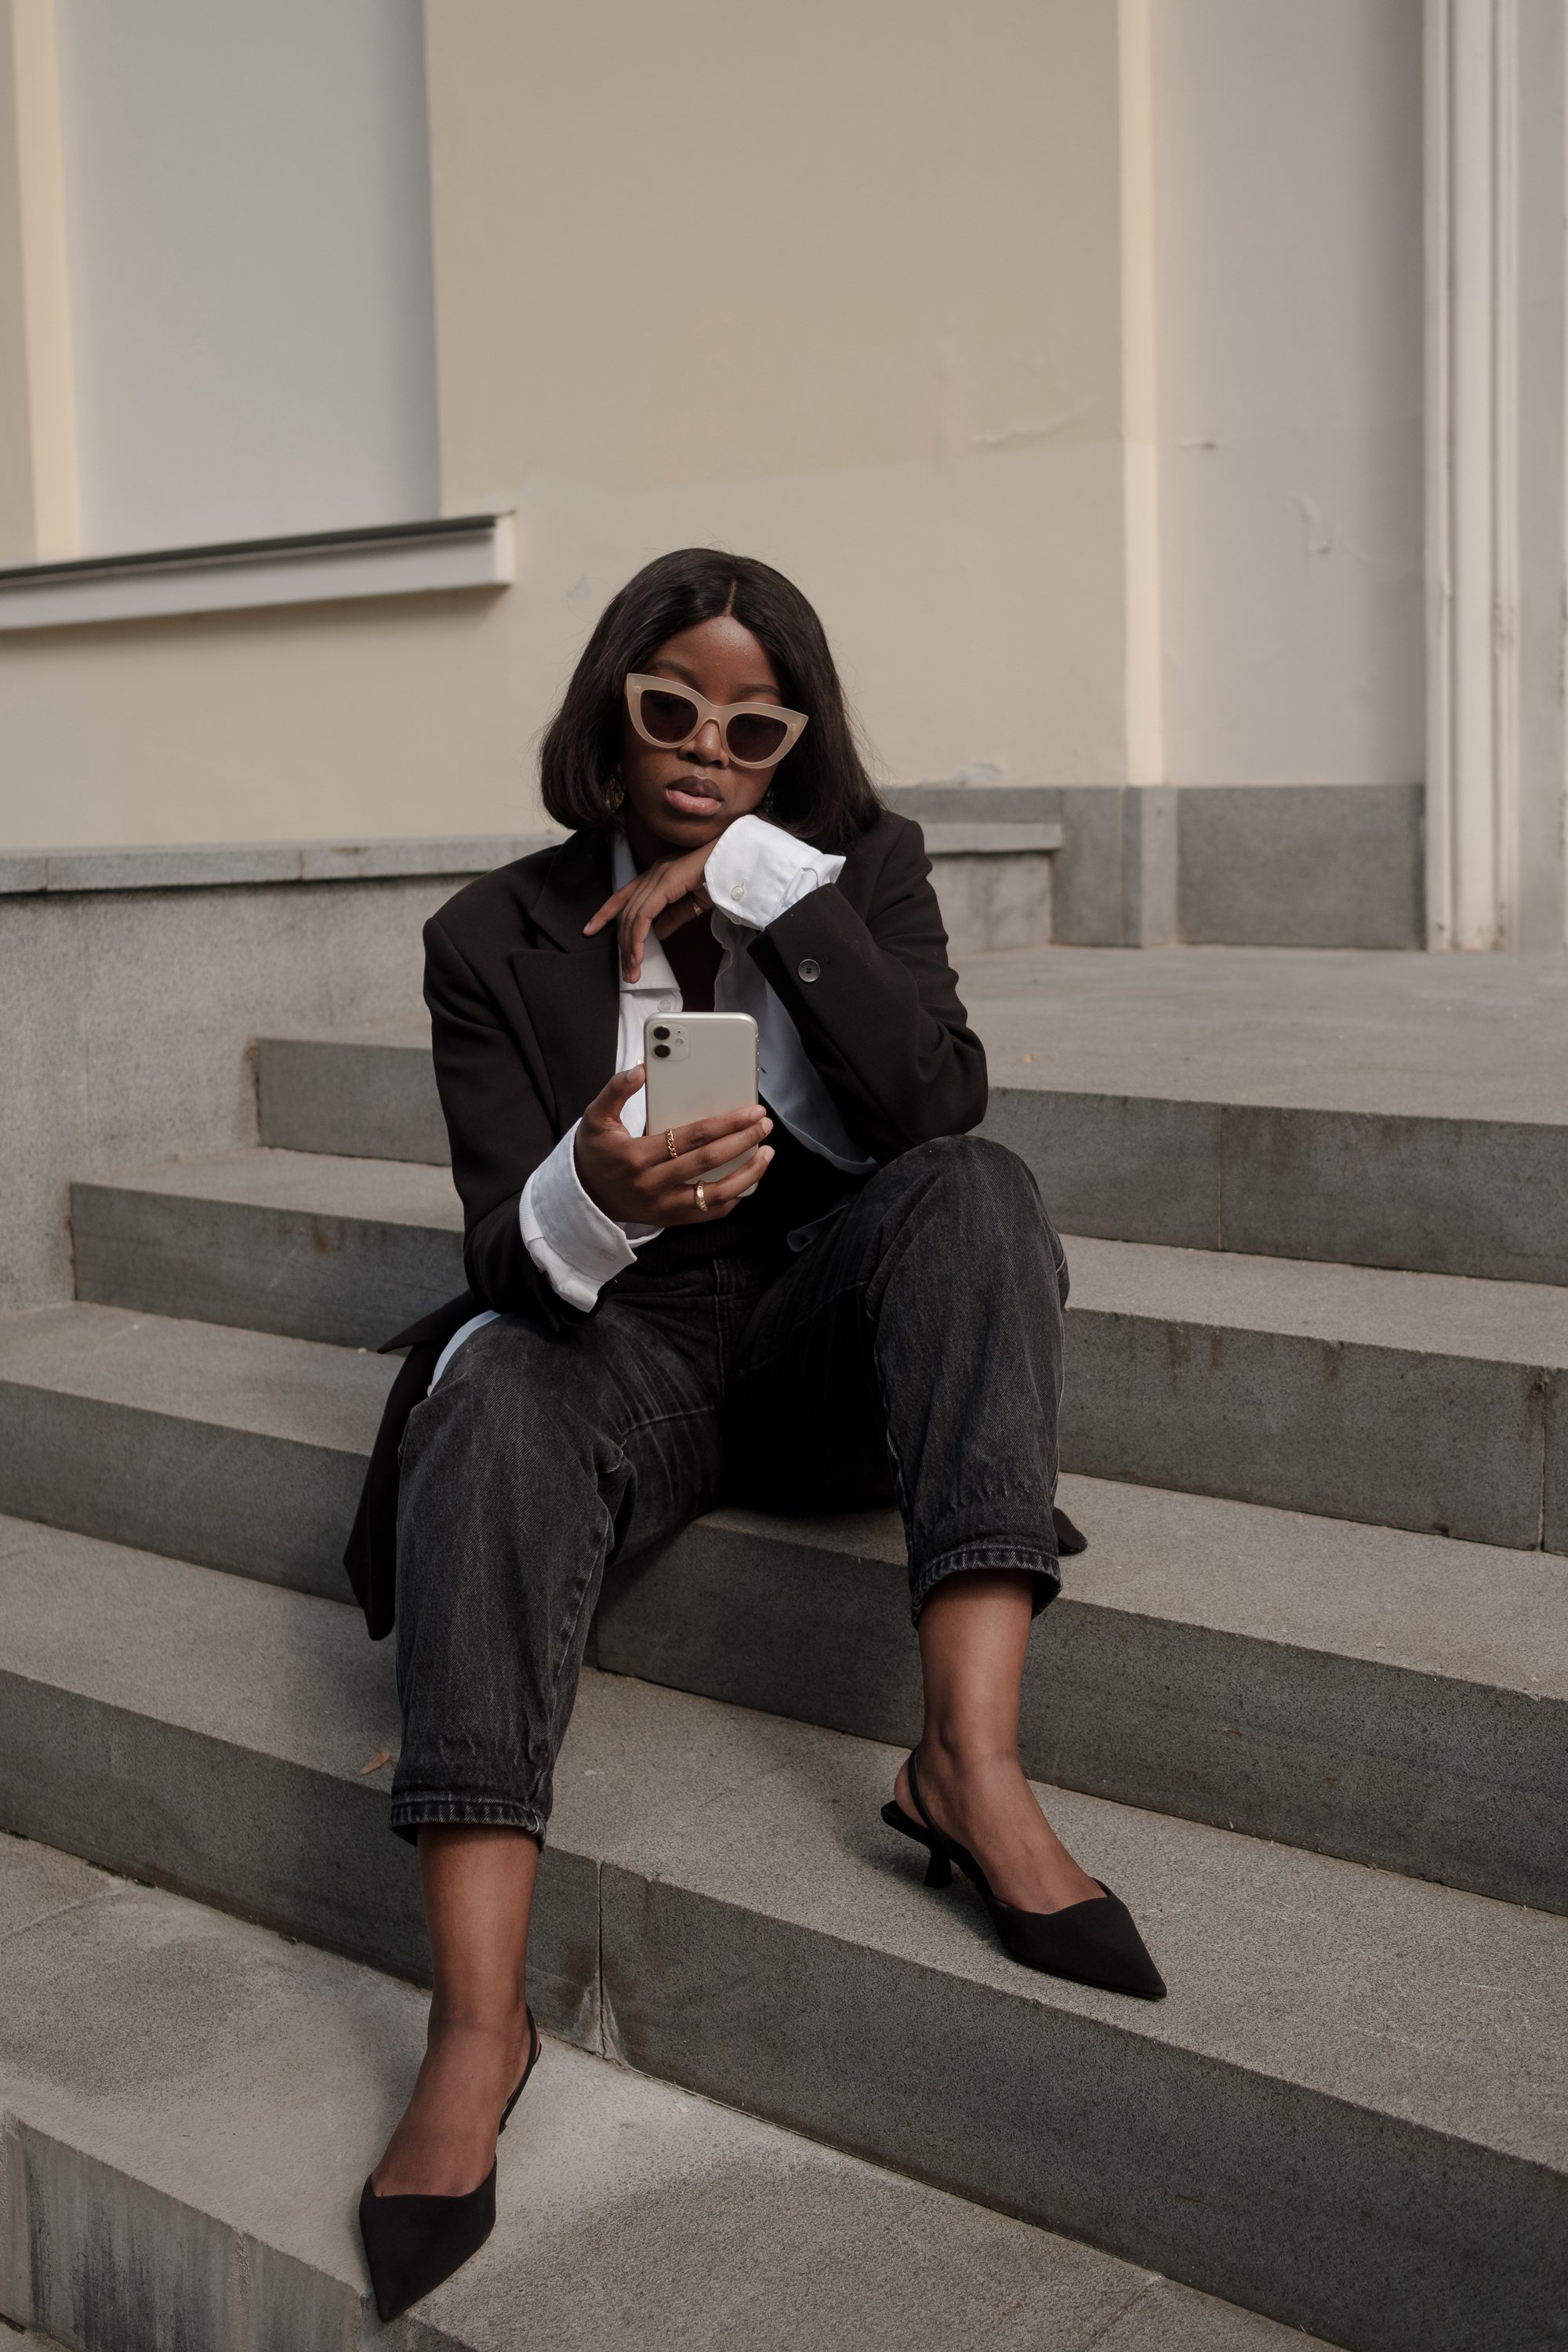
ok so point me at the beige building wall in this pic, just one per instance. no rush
(839, 287)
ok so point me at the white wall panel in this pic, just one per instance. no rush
(1289, 262)
(248, 202)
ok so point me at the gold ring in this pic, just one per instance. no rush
(669, 1139)
(701, 1199)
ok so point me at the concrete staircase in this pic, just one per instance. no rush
(1303, 1703)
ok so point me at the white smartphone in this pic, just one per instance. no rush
(699, 1063)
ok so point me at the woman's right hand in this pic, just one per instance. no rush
(632, 1178)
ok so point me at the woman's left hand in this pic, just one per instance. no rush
(668, 894)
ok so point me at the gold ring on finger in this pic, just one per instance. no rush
(669, 1139)
(701, 1198)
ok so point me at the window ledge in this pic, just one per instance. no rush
(388, 560)
(218, 866)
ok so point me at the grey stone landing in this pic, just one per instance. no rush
(188, 2104)
(1350, 2112)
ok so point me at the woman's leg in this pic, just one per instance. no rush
(973, 1633)
(915, 1350)
(534, 1460)
(478, 1885)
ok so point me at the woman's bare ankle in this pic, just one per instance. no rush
(974, 1791)
(445, 2141)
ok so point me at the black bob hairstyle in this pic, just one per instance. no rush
(821, 792)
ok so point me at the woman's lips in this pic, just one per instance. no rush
(691, 800)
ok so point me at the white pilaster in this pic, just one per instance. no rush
(34, 290)
(1497, 385)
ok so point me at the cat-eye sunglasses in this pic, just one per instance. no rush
(754, 734)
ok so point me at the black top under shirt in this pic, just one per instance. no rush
(799, 1187)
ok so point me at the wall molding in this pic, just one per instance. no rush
(314, 567)
(248, 864)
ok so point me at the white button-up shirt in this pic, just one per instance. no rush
(755, 873)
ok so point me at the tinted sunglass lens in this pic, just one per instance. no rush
(668, 718)
(752, 736)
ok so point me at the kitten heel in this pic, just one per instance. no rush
(1094, 1942)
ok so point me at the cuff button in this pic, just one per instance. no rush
(737, 889)
(808, 969)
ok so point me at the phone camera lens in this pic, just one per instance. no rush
(661, 1033)
(661, 1053)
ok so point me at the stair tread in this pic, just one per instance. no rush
(1374, 1306)
(311, 1183)
(1429, 1604)
(218, 1373)
(400, 1030)
(263, 2077)
(1450, 1314)
(1391, 1994)
(1401, 1035)
(1432, 1604)
(1310, 1127)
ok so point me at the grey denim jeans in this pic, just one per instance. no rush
(911, 1353)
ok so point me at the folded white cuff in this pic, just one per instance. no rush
(756, 871)
(574, 1244)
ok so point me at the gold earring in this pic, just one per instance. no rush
(615, 793)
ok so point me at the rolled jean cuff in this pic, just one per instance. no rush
(1039, 1564)
(419, 1810)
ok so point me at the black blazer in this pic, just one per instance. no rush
(525, 1012)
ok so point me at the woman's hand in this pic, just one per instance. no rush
(661, 900)
(632, 1178)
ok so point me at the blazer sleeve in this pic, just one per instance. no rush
(880, 1018)
(498, 1129)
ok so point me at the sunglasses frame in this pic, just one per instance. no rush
(638, 684)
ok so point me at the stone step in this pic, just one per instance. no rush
(211, 2202)
(1351, 2113)
(1405, 1110)
(1311, 1107)
(1479, 1197)
(1398, 1699)
(1424, 1401)
(317, 1247)
(236, 1448)
(1391, 1699)
(364, 1092)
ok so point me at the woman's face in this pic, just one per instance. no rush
(681, 800)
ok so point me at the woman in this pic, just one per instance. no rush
(867, 1309)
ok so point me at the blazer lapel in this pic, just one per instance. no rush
(571, 985)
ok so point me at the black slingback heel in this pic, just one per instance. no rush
(412, 2243)
(1094, 1942)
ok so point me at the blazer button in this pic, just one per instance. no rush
(808, 969)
